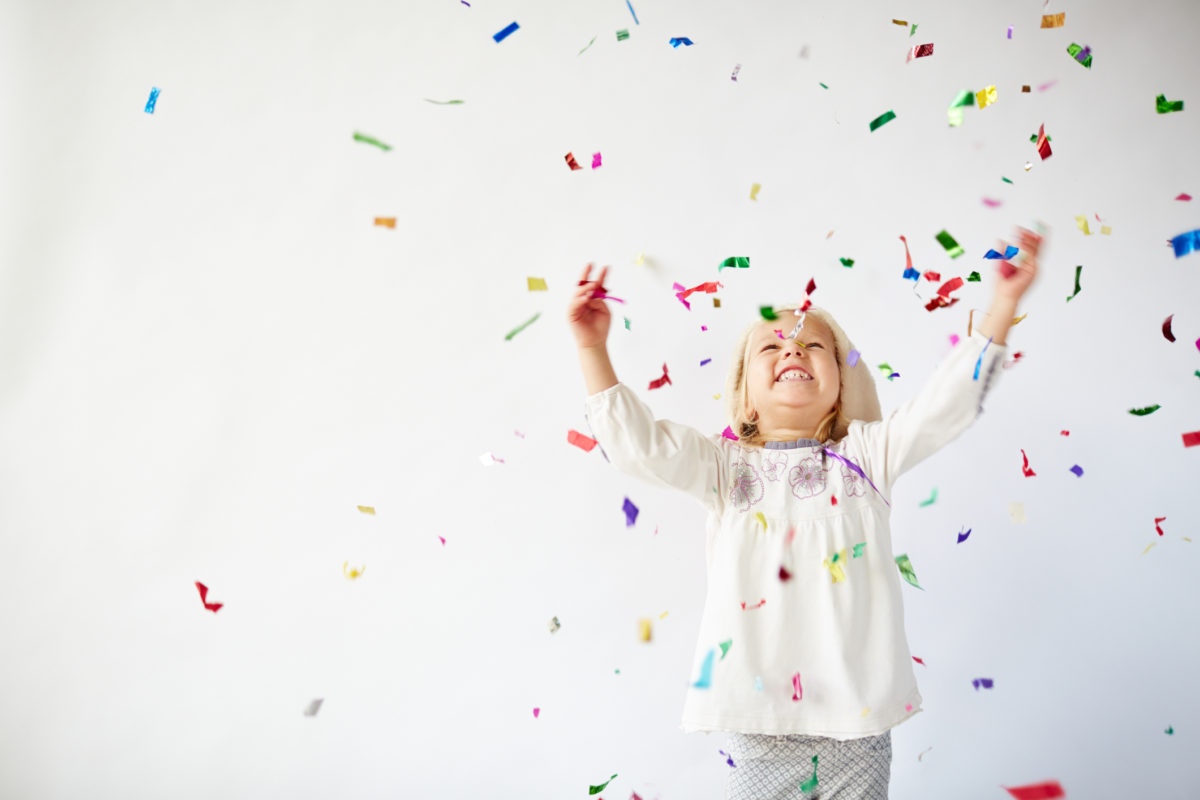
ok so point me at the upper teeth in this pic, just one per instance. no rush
(794, 375)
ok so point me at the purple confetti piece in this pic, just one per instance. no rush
(856, 468)
(962, 537)
(1078, 470)
(631, 513)
(1010, 27)
(986, 683)
(504, 34)
(706, 361)
(852, 358)
(728, 758)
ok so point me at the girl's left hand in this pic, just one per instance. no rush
(1015, 279)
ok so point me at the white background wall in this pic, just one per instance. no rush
(210, 356)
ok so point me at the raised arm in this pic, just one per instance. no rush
(590, 321)
(1013, 281)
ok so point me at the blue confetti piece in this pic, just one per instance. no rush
(705, 679)
(680, 40)
(1009, 252)
(911, 274)
(979, 363)
(631, 11)
(962, 537)
(1078, 470)
(631, 513)
(1186, 243)
(153, 99)
(504, 34)
(758, 687)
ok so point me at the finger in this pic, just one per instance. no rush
(584, 277)
(602, 276)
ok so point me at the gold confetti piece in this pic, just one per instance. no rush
(1054, 20)
(1017, 512)
(754, 187)
(1025, 88)
(985, 97)
(716, 302)
(1028, 166)
(536, 284)
(644, 630)
(352, 573)
(367, 509)
(901, 22)
(386, 222)
(1187, 539)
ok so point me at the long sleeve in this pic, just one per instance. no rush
(659, 451)
(945, 407)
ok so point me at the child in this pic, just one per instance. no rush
(802, 656)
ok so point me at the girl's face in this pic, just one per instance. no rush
(791, 384)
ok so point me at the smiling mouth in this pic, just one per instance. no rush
(792, 375)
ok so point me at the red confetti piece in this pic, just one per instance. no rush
(1017, 356)
(797, 689)
(213, 607)
(1043, 144)
(759, 604)
(584, 443)
(658, 383)
(1166, 328)
(833, 500)
(919, 661)
(709, 287)
(812, 287)
(932, 276)
(1037, 791)
(1156, 525)
(784, 575)
(1185, 197)
(919, 51)
(571, 162)
(1029, 473)
(1064, 433)
(943, 299)
(1191, 439)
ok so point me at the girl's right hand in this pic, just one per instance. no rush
(588, 315)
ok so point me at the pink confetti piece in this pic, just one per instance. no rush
(797, 689)
(488, 460)
(759, 604)
(442, 539)
(1184, 196)
(920, 661)
(584, 443)
(536, 712)
(1047, 85)
(729, 434)
(954, 340)
(990, 203)
(595, 160)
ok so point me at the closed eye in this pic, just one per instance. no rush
(769, 347)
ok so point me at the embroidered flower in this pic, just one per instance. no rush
(854, 484)
(807, 478)
(774, 464)
(747, 487)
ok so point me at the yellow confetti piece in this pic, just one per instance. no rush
(1018, 319)
(1082, 223)
(716, 397)
(1017, 512)
(901, 22)
(985, 97)
(644, 632)
(367, 509)
(1147, 550)
(1105, 229)
(641, 259)
(663, 615)
(1187, 539)
(762, 518)
(386, 222)
(754, 187)
(866, 711)
(352, 573)
(1054, 20)
(536, 284)
(834, 565)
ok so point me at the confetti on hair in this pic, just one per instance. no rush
(597, 789)
(907, 571)
(1191, 439)
(797, 688)
(675, 41)
(1142, 412)
(508, 336)
(1048, 790)
(1025, 468)
(213, 607)
(932, 499)
(1081, 53)
(507, 31)
(706, 670)
(386, 222)
(353, 573)
(596, 160)
(881, 120)
(1186, 243)
(658, 383)
(810, 784)
(919, 51)
(584, 443)
(362, 137)
(738, 262)
(369, 510)
(1043, 144)
(1158, 527)
(1078, 271)
(631, 512)
(1078, 470)
(313, 707)
(445, 102)
(985, 683)
(153, 99)
(1054, 20)
(852, 358)
(1162, 105)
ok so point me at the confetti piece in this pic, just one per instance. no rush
(823, 86)
(536, 284)
(1162, 104)
(725, 645)
(729, 434)
(1082, 223)
(985, 683)
(1184, 196)
(600, 787)
(1054, 20)
(1009, 252)
(1157, 527)
(153, 99)
(585, 49)
(1037, 791)
(488, 460)
(501, 35)
(754, 189)
(932, 499)
(571, 162)
(736, 69)
(919, 51)
(553, 625)
(1029, 473)
(1016, 511)
(852, 358)
(1078, 271)
(443, 540)
(738, 262)
(1078, 470)
(445, 102)
(757, 605)
(921, 755)
(367, 510)
(1141, 412)
(631, 11)
(810, 784)
(680, 40)
(631, 512)
(858, 549)
(943, 298)
(951, 246)
(386, 222)
(728, 758)
(990, 203)
(536, 712)
(912, 30)
(508, 336)
(1170, 731)
(658, 383)
(362, 137)
(1010, 29)
(954, 114)
(985, 97)
(1186, 243)
(797, 688)
(758, 684)
(1043, 144)
(768, 313)
(596, 162)
(1191, 439)
(762, 518)
(784, 575)
(1147, 550)
(974, 278)
(1082, 54)
(353, 573)
(847, 262)
(706, 669)
(313, 707)
(882, 119)
(584, 443)
(1006, 180)
(906, 570)
(622, 34)
(902, 23)
(706, 361)
(644, 630)
(213, 607)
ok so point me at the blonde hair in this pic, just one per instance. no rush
(742, 424)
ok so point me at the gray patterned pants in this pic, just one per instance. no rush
(774, 767)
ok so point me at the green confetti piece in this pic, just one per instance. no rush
(1170, 731)
(906, 569)
(858, 549)
(954, 114)
(589, 44)
(362, 137)
(1006, 180)
(601, 787)
(1076, 50)
(882, 119)
(973, 278)
(1198, 373)
(932, 499)
(1166, 106)
(725, 645)
(445, 102)
(1078, 270)
(626, 322)
(1143, 412)
(737, 262)
(767, 312)
(1034, 139)
(823, 86)
(810, 784)
(508, 336)
(913, 32)
(847, 262)
(622, 34)
(952, 247)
